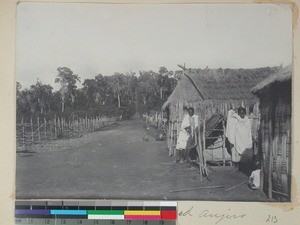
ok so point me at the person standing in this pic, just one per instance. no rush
(186, 138)
(238, 132)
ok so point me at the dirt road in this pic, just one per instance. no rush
(119, 164)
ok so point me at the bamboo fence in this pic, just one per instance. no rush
(38, 130)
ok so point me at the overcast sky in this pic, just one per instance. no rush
(107, 38)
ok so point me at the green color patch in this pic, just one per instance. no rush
(105, 212)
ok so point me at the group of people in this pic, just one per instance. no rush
(238, 134)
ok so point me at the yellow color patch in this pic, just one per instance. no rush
(141, 212)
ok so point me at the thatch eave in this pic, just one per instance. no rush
(281, 76)
(218, 85)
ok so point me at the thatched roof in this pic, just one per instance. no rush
(218, 85)
(282, 75)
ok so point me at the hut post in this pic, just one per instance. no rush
(204, 144)
(171, 140)
(223, 144)
(177, 130)
(168, 137)
(200, 150)
(270, 162)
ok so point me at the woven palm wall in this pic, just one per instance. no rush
(275, 94)
(276, 141)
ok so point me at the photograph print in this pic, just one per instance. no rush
(154, 101)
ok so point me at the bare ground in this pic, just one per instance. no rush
(124, 162)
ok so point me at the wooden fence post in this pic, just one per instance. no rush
(55, 131)
(58, 126)
(171, 141)
(86, 123)
(45, 122)
(38, 124)
(62, 126)
(31, 125)
(23, 132)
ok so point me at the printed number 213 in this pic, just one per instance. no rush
(272, 219)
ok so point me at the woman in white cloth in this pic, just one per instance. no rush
(187, 131)
(238, 132)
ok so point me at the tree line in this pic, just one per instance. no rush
(120, 94)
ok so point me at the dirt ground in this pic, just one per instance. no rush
(124, 162)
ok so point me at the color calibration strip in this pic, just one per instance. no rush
(98, 210)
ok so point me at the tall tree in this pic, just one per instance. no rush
(41, 95)
(67, 80)
(148, 89)
(90, 90)
(163, 79)
(104, 91)
(119, 83)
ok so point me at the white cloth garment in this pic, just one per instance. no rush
(238, 132)
(235, 156)
(243, 136)
(254, 179)
(183, 136)
(231, 127)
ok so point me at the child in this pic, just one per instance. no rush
(254, 179)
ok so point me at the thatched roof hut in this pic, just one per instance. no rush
(275, 133)
(220, 89)
(284, 75)
(213, 92)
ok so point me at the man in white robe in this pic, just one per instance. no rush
(187, 131)
(238, 132)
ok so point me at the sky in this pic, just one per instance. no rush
(106, 38)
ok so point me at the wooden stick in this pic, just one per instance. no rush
(23, 132)
(223, 147)
(55, 131)
(31, 125)
(199, 188)
(270, 144)
(235, 186)
(200, 151)
(204, 142)
(45, 131)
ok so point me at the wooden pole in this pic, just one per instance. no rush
(50, 125)
(199, 188)
(23, 132)
(39, 133)
(31, 125)
(86, 122)
(223, 145)
(62, 126)
(204, 144)
(171, 149)
(235, 186)
(58, 126)
(270, 161)
(200, 151)
(169, 135)
(45, 134)
(55, 131)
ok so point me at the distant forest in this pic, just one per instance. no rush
(121, 94)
